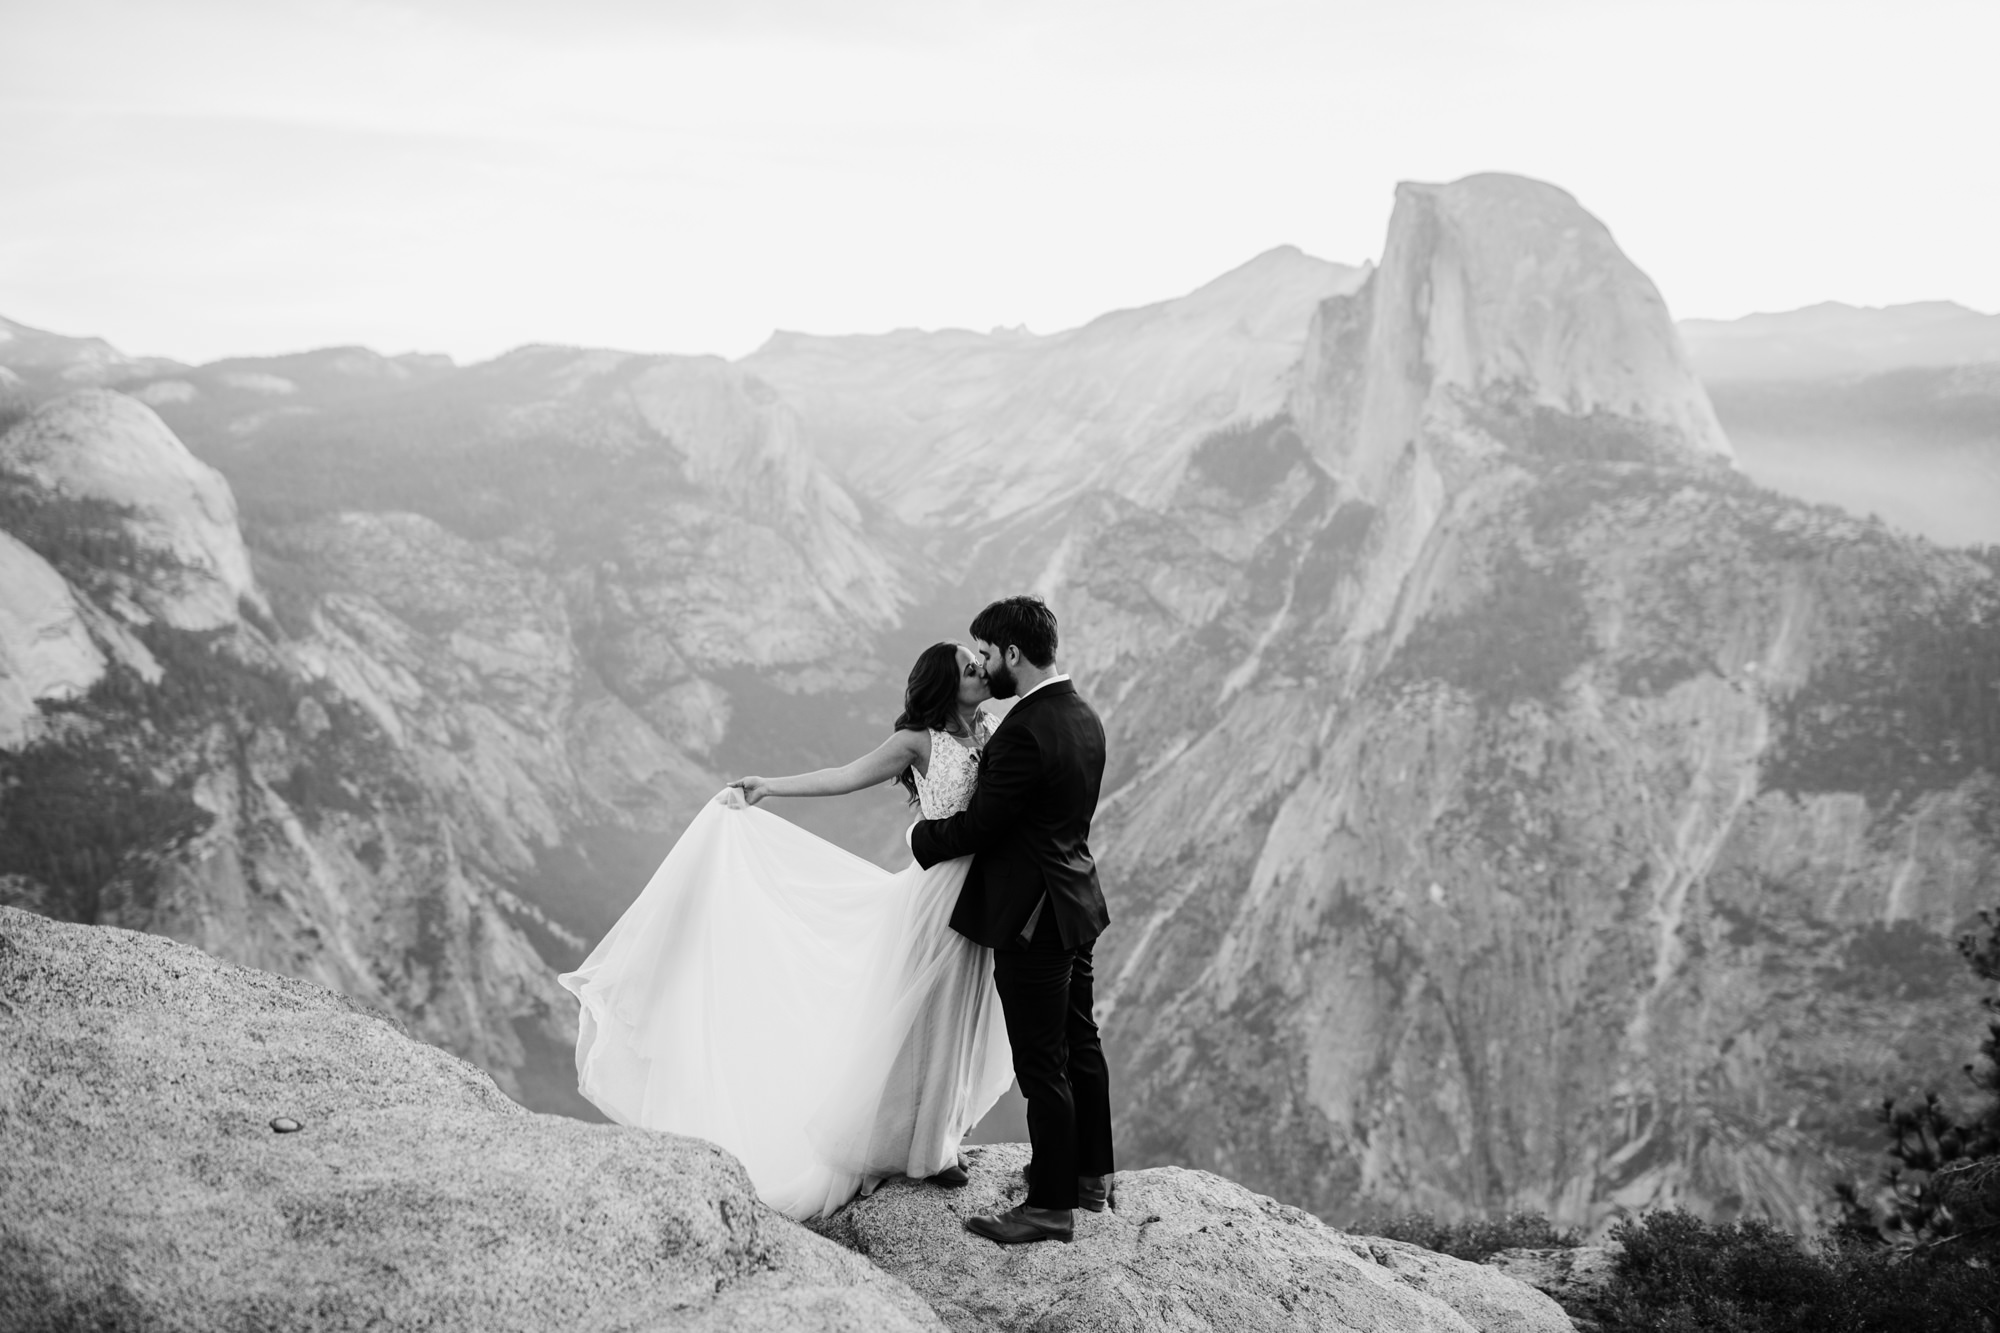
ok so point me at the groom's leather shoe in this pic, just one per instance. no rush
(1021, 1224)
(952, 1177)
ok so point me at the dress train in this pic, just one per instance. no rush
(807, 1010)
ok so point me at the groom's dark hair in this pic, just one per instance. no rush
(1025, 622)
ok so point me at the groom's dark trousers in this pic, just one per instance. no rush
(1045, 996)
(1032, 897)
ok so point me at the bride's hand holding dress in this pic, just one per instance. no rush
(903, 750)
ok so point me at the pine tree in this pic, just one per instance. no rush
(1941, 1190)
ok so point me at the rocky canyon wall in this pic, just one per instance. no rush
(423, 757)
(1509, 803)
(1544, 815)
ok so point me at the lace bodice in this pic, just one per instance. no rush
(954, 772)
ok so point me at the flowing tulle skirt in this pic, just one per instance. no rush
(805, 1009)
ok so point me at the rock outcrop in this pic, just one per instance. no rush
(670, 497)
(103, 447)
(46, 651)
(1505, 833)
(1489, 822)
(1183, 1251)
(1577, 1278)
(147, 1181)
(360, 800)
(438, 765)
(1497, 299)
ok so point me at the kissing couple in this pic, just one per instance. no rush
(833, 1024)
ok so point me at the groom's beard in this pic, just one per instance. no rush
(1000, 680)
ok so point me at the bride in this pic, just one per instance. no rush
(809, 1011)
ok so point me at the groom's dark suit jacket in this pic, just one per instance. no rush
(1028, 826)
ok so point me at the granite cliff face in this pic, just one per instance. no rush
(717, 597)
(358, 789)
(100, 448)
(1540, 814)
(1622, 880)
(46, 652)
(1510, 804)
(501, 625)
(1498, 300)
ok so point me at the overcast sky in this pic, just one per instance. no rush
(203, 177)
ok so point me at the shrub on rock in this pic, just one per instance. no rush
(1678, 1274)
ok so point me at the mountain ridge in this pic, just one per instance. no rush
(1172, 370)
(1447, 769)
(1832, 338)
(1509, 802)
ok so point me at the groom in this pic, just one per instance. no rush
(1032, 897)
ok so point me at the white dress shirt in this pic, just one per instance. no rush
(1045, 680)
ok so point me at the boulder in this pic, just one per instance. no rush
(1182, 1250)
(1576, 1277)
(96, 446)
(192, 1145)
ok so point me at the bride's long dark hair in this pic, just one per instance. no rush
(930, 700)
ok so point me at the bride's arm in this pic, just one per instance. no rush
(884, 762)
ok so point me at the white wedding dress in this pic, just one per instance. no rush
(809, 1011)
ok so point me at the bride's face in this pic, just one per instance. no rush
(972, 688)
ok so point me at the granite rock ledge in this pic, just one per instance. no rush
(146, 1184)
(1183, 1252)
(143, 1184)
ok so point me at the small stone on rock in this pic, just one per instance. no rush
(284, 1124)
